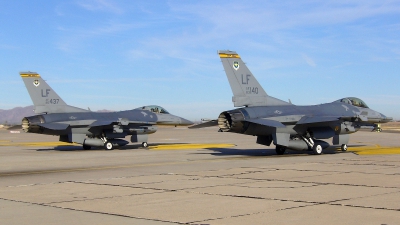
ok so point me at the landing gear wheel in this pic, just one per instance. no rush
(86, 147)
(343, 147)
(280, 150)
(145, 145)
(108, 146)
(317, 149)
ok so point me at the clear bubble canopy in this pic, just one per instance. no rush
(155, 109)
(353, 101)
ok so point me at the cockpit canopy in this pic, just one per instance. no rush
(155, 109)
(353, 101)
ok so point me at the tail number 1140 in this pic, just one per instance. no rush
(251, 90)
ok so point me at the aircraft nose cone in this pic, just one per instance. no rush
(186, 122)
(386, 119)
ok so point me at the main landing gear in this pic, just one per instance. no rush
(317, 149)
(108, 143)
(302, 142)
(108, 146)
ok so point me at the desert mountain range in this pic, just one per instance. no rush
(15, 115)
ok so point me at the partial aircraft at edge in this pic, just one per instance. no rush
(286, 125)
(76, 125)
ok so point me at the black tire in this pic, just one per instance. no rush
(317, 149)
(343, 147)
(280, 150)
(108, 146)
(145, 145)
(86, 147)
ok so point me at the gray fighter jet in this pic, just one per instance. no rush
(286, 125)
(76, 125)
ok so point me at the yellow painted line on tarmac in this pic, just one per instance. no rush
(375, 150)
(189, 146)
(40, 144)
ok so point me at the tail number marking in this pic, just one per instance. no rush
(251, 90)
(52, 101)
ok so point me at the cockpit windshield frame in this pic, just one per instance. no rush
(155, 109)
(354, 101)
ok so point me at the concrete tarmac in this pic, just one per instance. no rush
(198, 177)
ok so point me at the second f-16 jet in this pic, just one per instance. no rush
(286, 125)
(76, 125)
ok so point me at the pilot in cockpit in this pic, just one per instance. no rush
(354, 101)
(155, 109)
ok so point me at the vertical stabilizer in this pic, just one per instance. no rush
(44, 98)
(245, 87)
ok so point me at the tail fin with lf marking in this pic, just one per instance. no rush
(246, 89)
(43, 97)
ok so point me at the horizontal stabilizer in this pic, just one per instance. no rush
(206, 124)
(265, 122)
(54, 126)
(317, 119)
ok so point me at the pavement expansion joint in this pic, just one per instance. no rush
(113, 214)
(317, 183)
(225, 175)
(325, 183)
(133, 187)
(119, 185)
(300, 206)
(360, 197)
(219, 218)
(38, 184)
(278, 187)
(364, 207)
(256, 197)
(346, 172)
(91, 199)
(255, 213)
(88, 211)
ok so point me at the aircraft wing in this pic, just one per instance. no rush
(54, 126)
(317, 119)
(99, 123)
(206, 124)
(266, 122)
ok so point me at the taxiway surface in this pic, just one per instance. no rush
(198, 177)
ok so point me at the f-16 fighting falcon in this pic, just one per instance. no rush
(76, 125)
(286, 125)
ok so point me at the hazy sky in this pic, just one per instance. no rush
(118, 55)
